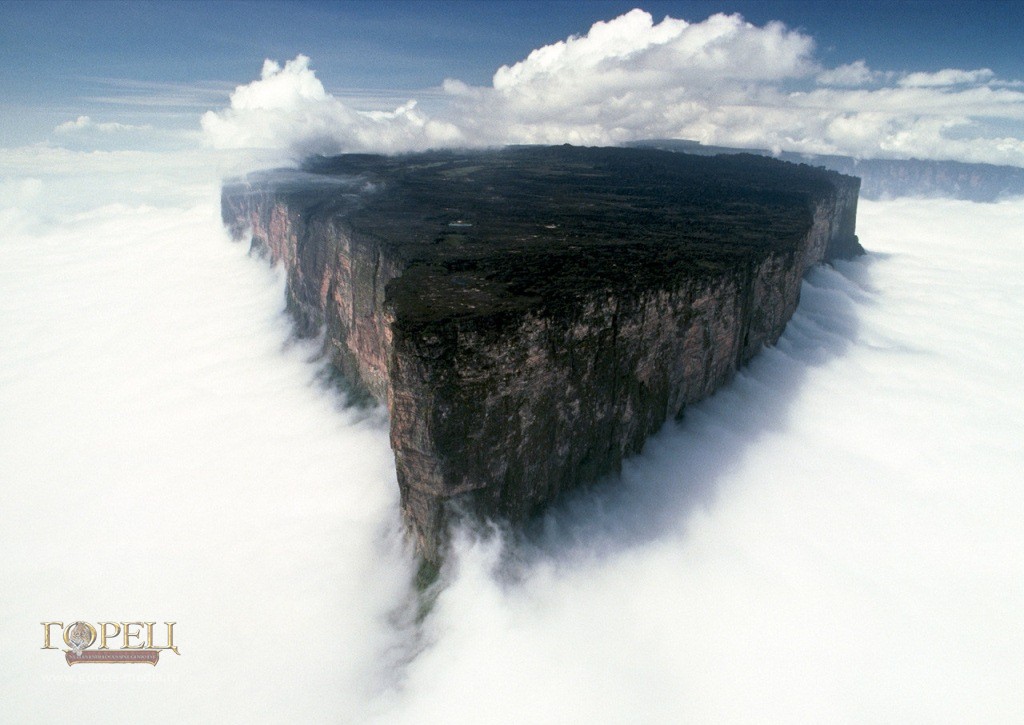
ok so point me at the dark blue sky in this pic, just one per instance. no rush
(418, 43)
(58, 57)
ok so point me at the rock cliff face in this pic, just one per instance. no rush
(530, 316)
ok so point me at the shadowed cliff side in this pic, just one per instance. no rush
(531, 315)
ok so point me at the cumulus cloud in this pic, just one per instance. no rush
(630, 78)
(288, 108)
(719, 81)
(633, 48)
(725, 81)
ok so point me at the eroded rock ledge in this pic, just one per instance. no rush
(531, 315)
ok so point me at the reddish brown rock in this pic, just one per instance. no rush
(530, 316)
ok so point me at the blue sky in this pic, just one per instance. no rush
(417, 43)
(165, 63)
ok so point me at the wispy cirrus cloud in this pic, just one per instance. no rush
(155, 94)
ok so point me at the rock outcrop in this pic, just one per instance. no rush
(531, 315)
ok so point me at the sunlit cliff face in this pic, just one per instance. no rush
(832, 536)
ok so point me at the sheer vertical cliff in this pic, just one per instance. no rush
(530, 316)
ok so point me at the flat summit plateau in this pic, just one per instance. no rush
(531, 315)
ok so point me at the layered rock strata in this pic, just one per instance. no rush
(531, 315)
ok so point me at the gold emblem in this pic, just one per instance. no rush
(79, 636)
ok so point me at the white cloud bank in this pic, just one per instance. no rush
(720, 81)
(146, 373)
(834, 537)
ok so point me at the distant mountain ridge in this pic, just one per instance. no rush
(888, 178)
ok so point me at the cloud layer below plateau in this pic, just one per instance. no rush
(832, 537)
(719, 81)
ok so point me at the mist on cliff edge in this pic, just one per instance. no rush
(835, 536)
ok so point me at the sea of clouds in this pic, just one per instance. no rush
(833, 537)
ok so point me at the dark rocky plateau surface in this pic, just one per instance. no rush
(531, 315)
